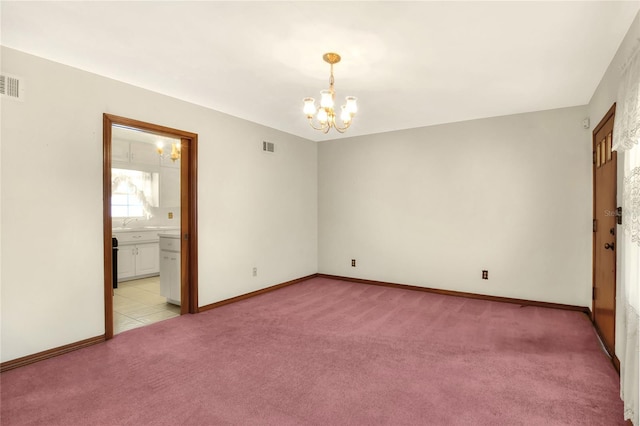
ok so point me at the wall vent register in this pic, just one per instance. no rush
(11, 87)
(268, 146)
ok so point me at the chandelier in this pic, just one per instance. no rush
(325, 115)
(175, 150)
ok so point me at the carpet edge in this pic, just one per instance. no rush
(255, 293)
(523, 302)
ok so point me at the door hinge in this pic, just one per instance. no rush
(593, 293)
(595, 226)
(619, 215)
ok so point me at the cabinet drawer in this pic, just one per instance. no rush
(136, 237)
(170, 244)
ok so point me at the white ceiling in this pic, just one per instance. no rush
(410, 64)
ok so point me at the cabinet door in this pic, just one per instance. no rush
(147, 259)
(144, 153)
(119, 150)
(174, 260)
(126, 262)
(169, 187)
(165, 274)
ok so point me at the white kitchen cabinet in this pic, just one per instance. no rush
(138, 254)
(137, 260)
(126, 262)
(123, 151)
(147, 259)
(170, 278)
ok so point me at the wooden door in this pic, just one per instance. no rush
(604, 235)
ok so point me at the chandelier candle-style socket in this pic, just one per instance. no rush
(325, 114)
(175, 150)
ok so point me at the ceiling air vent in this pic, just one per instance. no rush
(268, 146)
(11, 87)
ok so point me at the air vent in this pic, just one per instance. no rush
(11, 87)
(268, 146)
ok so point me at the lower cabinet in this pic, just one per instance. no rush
(135, 260)
(170, 268)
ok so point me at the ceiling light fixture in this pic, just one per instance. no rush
(326, 115)
(175, 150)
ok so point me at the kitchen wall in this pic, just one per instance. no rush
(164, 206)
(434, 206)
(605, 96)
(255, 209)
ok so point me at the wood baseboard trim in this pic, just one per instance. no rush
(610, 352)
(40, 356)
(522, 302)
(616, 363)
(254, 293)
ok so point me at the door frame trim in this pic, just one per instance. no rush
(188, 212)
(609, 114)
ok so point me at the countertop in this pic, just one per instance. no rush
(170, 234)
(146, 228)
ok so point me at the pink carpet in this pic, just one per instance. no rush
(326, 352)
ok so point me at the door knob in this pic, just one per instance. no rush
(608, 246)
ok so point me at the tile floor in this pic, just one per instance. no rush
(138, 303)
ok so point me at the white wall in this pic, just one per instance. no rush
(254, 209)
(605, 96)
(434, 206)
(607, 90)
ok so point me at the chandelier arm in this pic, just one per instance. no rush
(317, 128)
(342, 129)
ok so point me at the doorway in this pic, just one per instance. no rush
(604, 231)
(182, 152)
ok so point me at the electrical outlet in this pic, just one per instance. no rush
(353, 263)
(485, 275)
(255, 271)
(170, 215)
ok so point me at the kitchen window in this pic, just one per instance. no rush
(133, 192)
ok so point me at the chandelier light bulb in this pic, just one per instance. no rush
(159, 147)
(175, 151)
(345, 116)
(326, 100)
(352, 106)
(322, 116)
(309, 107)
